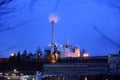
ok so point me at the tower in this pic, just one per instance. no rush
(52, 32)
(53, 19)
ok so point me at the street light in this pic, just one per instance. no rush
(12, 55)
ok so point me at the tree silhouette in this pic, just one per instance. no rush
(18, 57)
(47, 53)
(39, 52)
(4, 10)
(24, 55)
(12, 58)
(115, 4)
(30, 55)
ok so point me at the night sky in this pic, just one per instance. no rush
(93, 25)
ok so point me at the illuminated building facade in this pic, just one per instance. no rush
(65, 50)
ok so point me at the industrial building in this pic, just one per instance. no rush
(74, 68)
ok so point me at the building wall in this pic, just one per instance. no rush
(114, 62)
(65, 51)
(70, 69)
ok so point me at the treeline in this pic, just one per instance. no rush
(26, 55)
(24, 61)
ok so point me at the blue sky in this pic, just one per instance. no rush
(77, 19)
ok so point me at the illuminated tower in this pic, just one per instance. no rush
(53, 32)
(53, 19)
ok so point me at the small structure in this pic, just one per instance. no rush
(114, 62)
(39, 76)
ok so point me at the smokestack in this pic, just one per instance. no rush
(53, 19)
(52, 34)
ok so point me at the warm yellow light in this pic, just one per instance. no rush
(57, 55)
(85, 55)
(85, 78)
(39, 54)
(14, 70)
(12, 54)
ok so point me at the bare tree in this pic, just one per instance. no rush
(39, 52)
(117, 6)
(4, 10)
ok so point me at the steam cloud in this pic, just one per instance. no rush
(53, 18)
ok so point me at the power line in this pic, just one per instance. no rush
(56, 6)
(106, 37)
(16, 26)
(7, 49)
